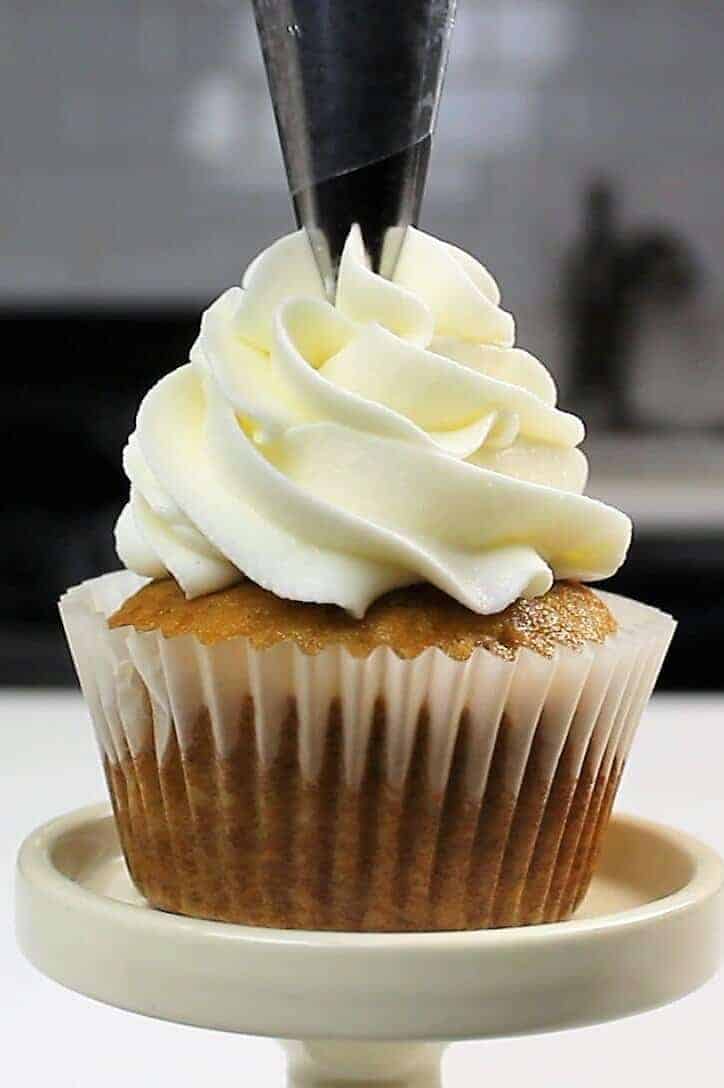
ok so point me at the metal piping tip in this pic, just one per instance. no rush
(355, 88)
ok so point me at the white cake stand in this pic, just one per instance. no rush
(368, 1006)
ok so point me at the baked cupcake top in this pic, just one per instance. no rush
(332, 453)
(406, 621)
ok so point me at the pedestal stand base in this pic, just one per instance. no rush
(353, 1063)
(369, 1005)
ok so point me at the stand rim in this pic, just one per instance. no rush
(33, 865)
(301, 984)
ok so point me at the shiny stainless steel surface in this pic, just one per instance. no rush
(355, 89)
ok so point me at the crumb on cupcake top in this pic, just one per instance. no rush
(407, 621)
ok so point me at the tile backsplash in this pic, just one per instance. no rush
(140, 162)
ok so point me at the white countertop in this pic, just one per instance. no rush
(51, 1036)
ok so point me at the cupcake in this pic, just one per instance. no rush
(351, 678)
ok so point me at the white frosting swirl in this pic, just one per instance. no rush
(332, 453)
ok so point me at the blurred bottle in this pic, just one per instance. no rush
(612, 277)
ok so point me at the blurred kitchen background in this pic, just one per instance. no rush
(580, 154)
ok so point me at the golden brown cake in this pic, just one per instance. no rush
(407, 621)
(215, 838)
(227, 839)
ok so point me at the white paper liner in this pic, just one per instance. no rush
(589, 700)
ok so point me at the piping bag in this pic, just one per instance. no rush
(355, 86)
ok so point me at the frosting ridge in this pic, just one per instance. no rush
(333, 452)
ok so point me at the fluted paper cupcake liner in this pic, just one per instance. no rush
(275, 788)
